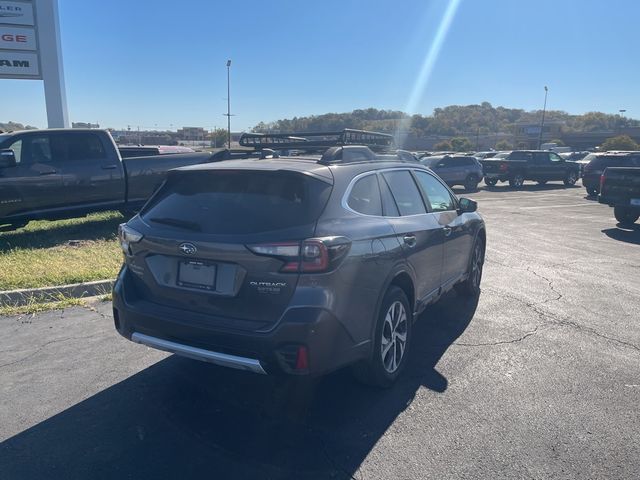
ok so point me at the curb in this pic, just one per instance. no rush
(18, 298)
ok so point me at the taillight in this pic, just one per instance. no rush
(127, 236)
(309, 256)
(603, 177)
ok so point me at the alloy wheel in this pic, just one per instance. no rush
(394, 337)
(476, 266)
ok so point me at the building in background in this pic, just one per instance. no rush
(84, 125)
(197, 134)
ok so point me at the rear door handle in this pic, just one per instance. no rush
(48, 172)
(410, 240)
(109, 167)
(447, 231)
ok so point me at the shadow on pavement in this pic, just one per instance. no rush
(626, 234)
(185, 419)
(59, 234)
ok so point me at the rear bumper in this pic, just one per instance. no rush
(624, 202)
(327, 342)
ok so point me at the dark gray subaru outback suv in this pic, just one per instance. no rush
(299, 265)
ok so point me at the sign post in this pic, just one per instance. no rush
(30, 49)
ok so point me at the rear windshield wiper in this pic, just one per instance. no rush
(175, 222)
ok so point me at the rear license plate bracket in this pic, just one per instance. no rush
(197, 274)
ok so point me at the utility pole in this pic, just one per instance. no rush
(229, 103)
(544, 109)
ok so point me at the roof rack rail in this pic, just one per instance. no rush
(317, 141)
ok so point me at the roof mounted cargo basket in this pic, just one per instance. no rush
(317, 142)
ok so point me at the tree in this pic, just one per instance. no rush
(621, 142)
(219, 137)
(461, 144)
(503, 145)
(445, 145)
(557, 141)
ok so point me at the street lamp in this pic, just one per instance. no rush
(229, 103)
(544, 109)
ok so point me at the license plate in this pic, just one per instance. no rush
(195, 274)
(635, 202)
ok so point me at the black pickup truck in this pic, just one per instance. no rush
(63, 173)
(538, 165)
(620, 189)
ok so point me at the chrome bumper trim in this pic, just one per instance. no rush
(222, 359)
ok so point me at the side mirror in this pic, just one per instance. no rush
(467, 205)
(7, 158)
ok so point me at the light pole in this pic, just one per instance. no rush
(544, 109)
(229, 103)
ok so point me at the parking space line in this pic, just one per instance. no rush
(560, 206)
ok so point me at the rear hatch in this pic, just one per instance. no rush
(622, 184)
(495, 165)
(200, 232)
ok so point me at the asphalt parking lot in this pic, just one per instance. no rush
(538, 379)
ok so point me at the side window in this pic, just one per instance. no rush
(83, 146)
(405, 192)
(540, 158)
(17, 150)
(32, 149)
(555, 157)
(437, 194)
(365, 196)
(389, 207)
(523, 156)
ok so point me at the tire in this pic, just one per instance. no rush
(626, 216)
(471, 286)
(592, 192)
(382, 370)
(471, 183)
(490, 181)
(516, 180)
(570, 179)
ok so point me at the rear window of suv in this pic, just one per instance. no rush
(600, 162)
(237, 202)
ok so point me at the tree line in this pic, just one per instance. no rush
(452, 121)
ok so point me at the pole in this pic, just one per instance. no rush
(229, 103)
(55, 94)
(544, 109)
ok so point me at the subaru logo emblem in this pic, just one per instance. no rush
(188, 248)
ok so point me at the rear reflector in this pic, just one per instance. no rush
(302, 358)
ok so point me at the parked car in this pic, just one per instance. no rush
(483, 155)
(296, 265)
(598, 162)
(620, 189)
(456, 170)
(538, 165)
(58, 173)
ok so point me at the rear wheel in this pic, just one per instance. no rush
(391, 341)
(571, 179)
(471, 286)
(626, 216)
(471, 183)
(490, 181)
(592, 192)
(516, 180)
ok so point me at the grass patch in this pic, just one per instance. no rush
(60, 252)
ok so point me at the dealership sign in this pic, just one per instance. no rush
(19, 52)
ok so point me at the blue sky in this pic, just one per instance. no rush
(163, 62)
